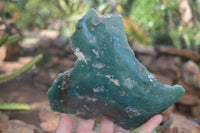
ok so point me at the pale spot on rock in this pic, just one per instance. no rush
(115, 81)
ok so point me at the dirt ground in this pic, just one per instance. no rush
(29, 88)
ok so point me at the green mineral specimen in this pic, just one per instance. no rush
(107, 79)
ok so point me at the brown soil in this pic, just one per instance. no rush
(31, 87)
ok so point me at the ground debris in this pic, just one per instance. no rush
(17, 126)
(179, 124)
(188, 54)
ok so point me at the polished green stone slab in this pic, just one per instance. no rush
(107, 79)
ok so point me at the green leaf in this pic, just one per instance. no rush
(64, 6)
(5, 39)
(4, 78)
(96, 127)
(14, 106)
(12, 39)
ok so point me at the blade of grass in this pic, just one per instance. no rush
(5, 39)
(12, 39)
(14, 106)
(6, 77)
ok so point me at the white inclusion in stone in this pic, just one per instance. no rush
(80, 55)
(92, 29)
(59, 86)
(99, 89)
(151, 77)
(86, 107)
(98, 65)
(61, 101)
(129, 83)
(122, 92)
(114, 26)
(111, 39)
(132, 112)
(95, 21)
(99, 74)
(87, 34)
(80, 97)
(116, 38)
(115, 81)
(91, 99)
(96, 53)
(55, 81)
(147, 91)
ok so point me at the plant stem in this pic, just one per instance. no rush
(14, 106)
(6, 77)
